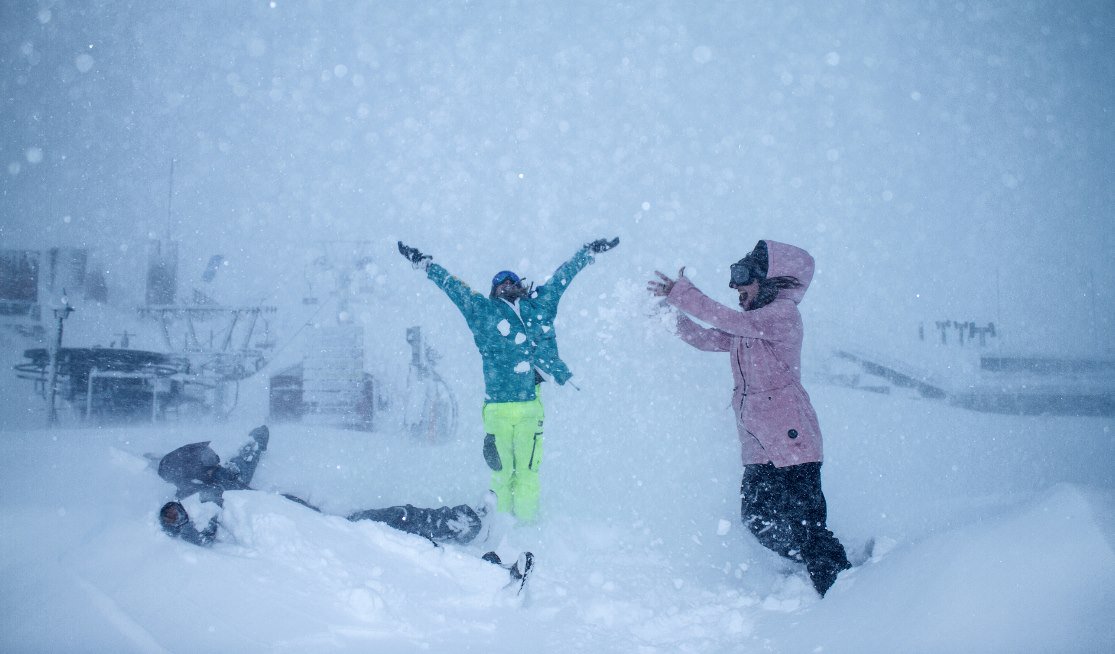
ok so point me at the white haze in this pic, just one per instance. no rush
(941, 160)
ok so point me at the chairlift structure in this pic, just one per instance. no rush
(111, 384)
(432, 413)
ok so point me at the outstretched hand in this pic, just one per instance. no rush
(662, 288)
(602, 245)
(414, 255)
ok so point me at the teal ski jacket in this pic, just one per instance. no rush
(512, 347)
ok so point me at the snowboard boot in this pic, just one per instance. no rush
(261, 435)
(522, 567)
(519, 570)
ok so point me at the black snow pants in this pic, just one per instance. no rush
(445, 524)
(785, 509)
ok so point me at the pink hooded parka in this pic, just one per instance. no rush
(774, 417)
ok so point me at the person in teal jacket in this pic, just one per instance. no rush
(513, 327)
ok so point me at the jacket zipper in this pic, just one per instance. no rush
(739, 366)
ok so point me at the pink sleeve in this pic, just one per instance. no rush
(769, 323)
(703, 338)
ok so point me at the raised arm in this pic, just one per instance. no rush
(775, 322)
(460, 293)
(702, 338)
(708, 339)
(565, 273)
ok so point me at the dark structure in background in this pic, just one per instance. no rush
(287, 400)
(1041, 385)
(1005, 384)
(329, 386)
(19, 283)
(30, 279)
(220, 344)
(308, 392)
(162, 273)
(285, 397)
(431, 413)
(1011, 382)
(112, 385)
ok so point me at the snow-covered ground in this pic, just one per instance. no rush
(941, 160)
(994, 533)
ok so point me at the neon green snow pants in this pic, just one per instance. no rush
(513, 450)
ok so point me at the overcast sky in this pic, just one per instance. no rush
(940, 159)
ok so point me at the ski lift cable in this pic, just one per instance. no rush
(305, 323)
(331, 297)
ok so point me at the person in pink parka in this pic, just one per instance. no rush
(781, 499)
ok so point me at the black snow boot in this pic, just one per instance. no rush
(825, 576)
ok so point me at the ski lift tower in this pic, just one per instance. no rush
(226, 356)
(431, 408)
(220, 359)
(335, 388)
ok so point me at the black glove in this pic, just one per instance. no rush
(602, 245)
(413, 255)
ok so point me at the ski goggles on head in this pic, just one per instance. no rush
(503, 276)
(744, 273)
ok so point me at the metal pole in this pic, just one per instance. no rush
(89, 394)
(228, 336)
(55, 355)
(52, 413)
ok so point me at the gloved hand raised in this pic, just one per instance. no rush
(602, 245)
(663, 287)
(414, 256)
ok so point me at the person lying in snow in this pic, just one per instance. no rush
(196, 470)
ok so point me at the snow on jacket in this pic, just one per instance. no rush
(513, 344)
(774, 417)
